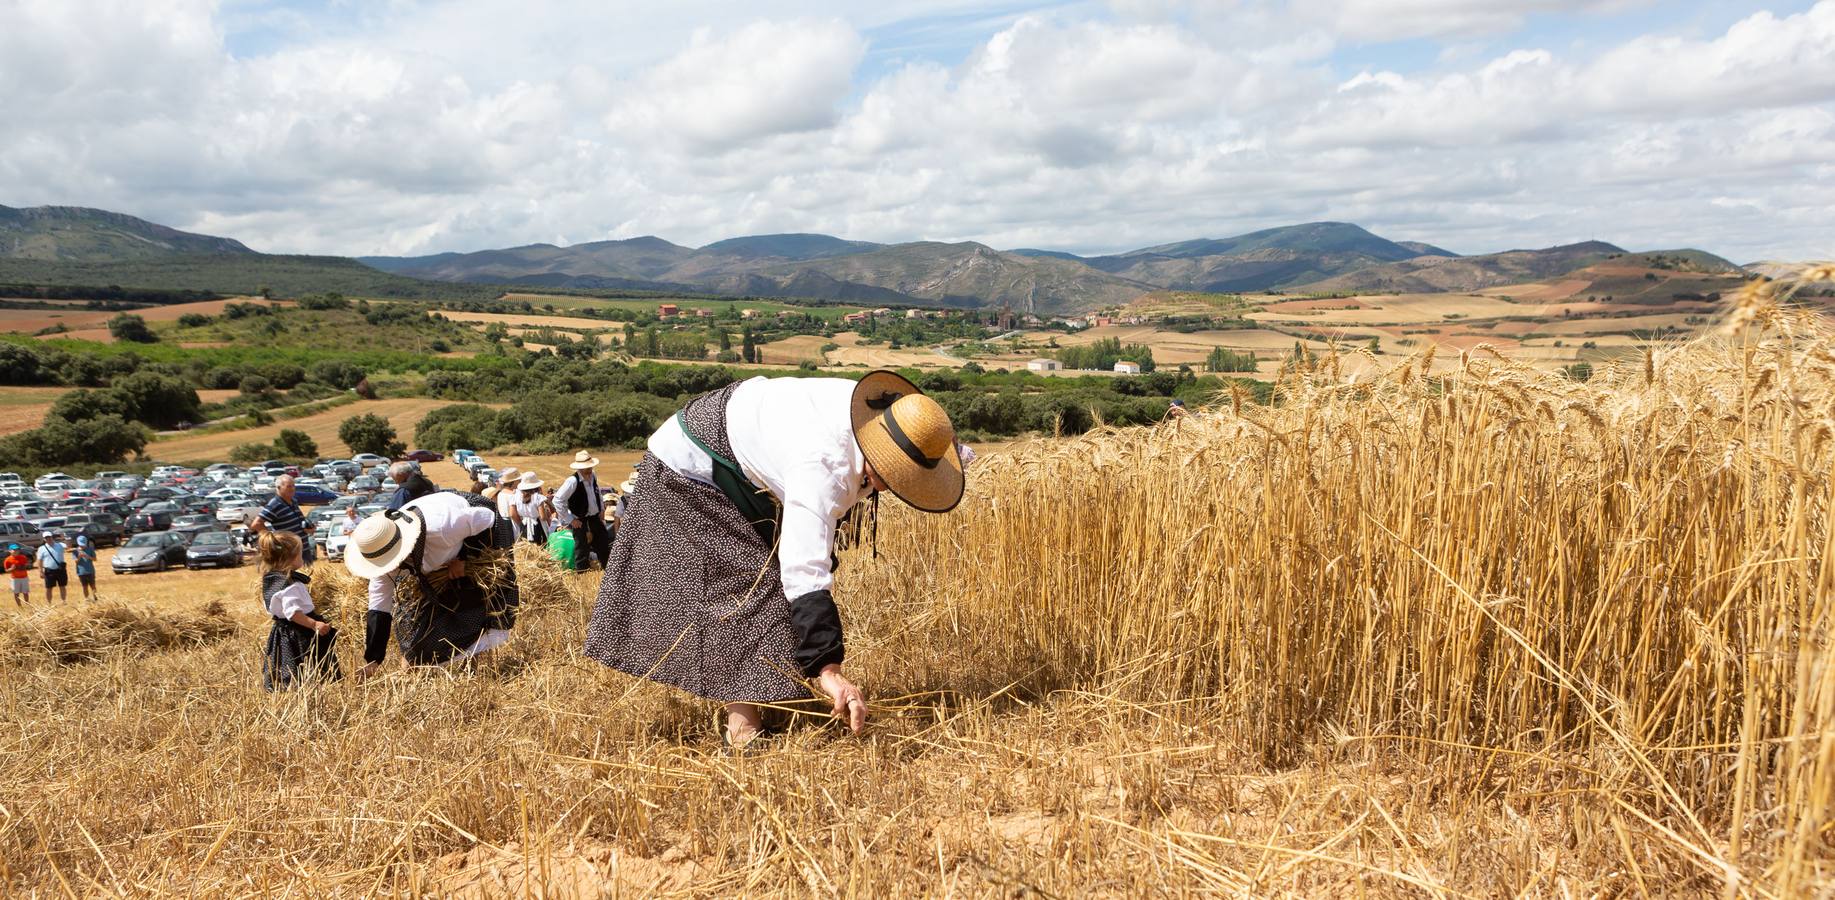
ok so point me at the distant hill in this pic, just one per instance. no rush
(1434, 274)
(1272, 258)
(788, 246)
(791, 265)
(1425, 249)
(89, 247)
(78, 234)
(286, 276)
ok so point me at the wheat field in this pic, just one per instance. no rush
(1493, 633)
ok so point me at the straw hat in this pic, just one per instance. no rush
(530, 481)
(907, 438)
(628, 485)
(584, 460)
(508, 473)
(381, 542)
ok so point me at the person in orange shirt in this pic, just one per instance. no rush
(19, 566)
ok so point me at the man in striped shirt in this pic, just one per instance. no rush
(282, 514)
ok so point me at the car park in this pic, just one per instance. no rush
(213, 549)
(151, 551)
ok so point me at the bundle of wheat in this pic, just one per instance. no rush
(85, 634)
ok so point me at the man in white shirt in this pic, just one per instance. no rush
(430, 540)
(583, 508)
(51, 562)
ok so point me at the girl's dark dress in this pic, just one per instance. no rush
(294, 652)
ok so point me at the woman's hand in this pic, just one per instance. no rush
(850, 702)
(368, 671)
(321, 628)
(455, 569)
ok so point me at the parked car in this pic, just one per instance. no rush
(151, 551)
(423, 456)
(103, 529)
(237, 511)
(312, 494)
(369, 459)
(25, 534)
(485, 474)
(194, 524)
(213, 548)
(365, 484)
(153, 517)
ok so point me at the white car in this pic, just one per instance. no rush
(237, 512)
(228, 493)
(370, 459)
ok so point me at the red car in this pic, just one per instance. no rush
(424, 456)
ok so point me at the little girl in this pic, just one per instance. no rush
(299, 643)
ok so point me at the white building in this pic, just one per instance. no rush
(1128, 368)
(1043, 365)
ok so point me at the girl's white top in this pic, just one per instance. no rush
(294, 598)
(794, 438)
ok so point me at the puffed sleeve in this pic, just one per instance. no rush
(294, 598)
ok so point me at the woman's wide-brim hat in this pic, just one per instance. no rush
(381, 542)
(584, 460)
(909, 441)
(530, 481)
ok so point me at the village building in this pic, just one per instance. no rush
(1044, 365)
(1128, 368)
(666, 311)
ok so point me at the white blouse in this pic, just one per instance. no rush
(294, 598)
(450, 520)
(794, 438)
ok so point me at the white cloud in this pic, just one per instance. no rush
(463, 124)
(764, 79)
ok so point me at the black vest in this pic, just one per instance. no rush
(576, 501)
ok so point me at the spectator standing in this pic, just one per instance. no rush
(19, 565)
(531, 508)
(283, 514)
(411, 484)
(51, 563)
(578, 501)
(86, 566)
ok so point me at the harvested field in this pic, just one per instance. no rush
(27, 321)
(851, 353)
(404, 414)
(527, 321)
(1392, 637)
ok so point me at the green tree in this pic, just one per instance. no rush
(159, 400)
(370, 433)
(193, 320)
(255, 386)
(84, 404)
(132, 328)
(105, 439)
(296, 444)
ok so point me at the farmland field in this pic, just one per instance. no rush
(86, 322)
(650, 304)
(1242, 661)
(321, 427)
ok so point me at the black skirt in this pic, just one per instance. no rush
(692, 596)
(294, 654)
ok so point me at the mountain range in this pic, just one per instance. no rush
(1317, 256)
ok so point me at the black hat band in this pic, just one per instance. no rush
(904, 443)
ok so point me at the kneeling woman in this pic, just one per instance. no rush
(692, 596)
(416, 559)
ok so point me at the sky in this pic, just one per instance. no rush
(401, 127)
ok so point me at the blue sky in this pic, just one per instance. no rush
(416, 126)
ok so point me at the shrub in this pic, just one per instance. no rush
(161, 401)
(337, 373)
(193, 320)
(130, 327)
(104, 439)
(370, 433)
(296, 444)
(616, 425)
(253, 453)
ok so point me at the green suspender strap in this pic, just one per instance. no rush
(753, 502)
